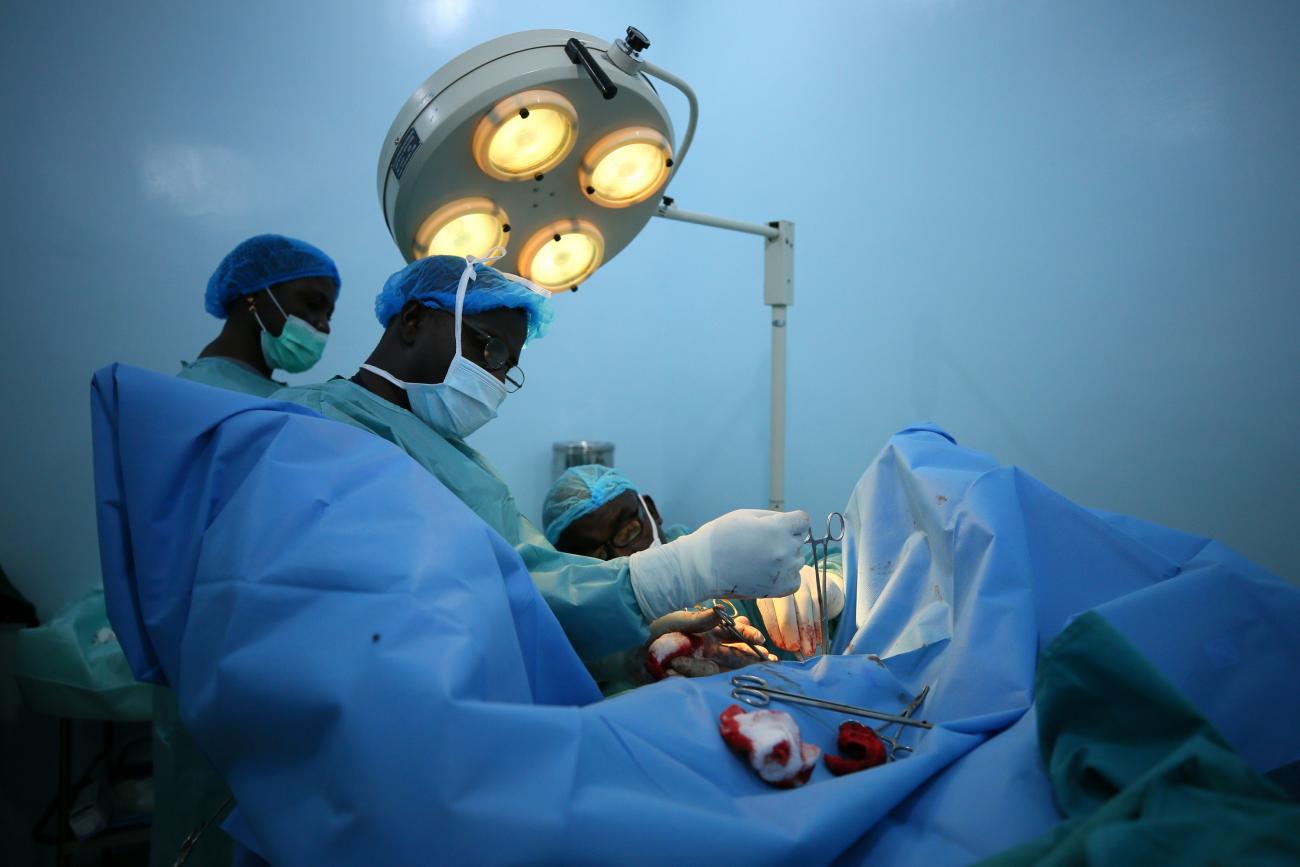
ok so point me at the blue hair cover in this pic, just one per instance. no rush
(261, 262)
(578, 492)
(433, 282)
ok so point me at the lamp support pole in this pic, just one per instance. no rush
(778, 293)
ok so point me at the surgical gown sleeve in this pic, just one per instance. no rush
(593, 599)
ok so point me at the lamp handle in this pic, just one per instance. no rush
(580, 56)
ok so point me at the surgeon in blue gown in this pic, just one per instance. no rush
(275, 296)
(372, 669)
(449, 355)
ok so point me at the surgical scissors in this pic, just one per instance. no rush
(729, 624)
(834, 533)
(755, 692)
(892, 743)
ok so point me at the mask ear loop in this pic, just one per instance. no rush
(649, 516)
(252, 308)
(276, 302)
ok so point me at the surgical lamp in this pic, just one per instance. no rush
(556, 146)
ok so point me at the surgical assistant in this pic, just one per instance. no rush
(454, 330)
(276, 296)
(599, 512)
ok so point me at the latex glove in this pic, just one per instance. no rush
(746, 553)
(695, 644)
(794, 622)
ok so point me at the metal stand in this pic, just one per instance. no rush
(62, 851)
(66, 847)
(778, 293)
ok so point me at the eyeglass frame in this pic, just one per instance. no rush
(488, 339)
(643, 517)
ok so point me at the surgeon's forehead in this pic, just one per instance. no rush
(317, 282)
(323, 285)
(504, 322)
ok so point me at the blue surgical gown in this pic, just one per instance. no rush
(188, 790)
(593, 599)
(371, 668)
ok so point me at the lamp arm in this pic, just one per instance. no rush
(664, 75)
(778, 293)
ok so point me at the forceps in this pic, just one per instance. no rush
(894, 746)
(729, 624)
(755, 692)
(834, 533)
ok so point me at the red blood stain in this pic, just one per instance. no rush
(860, 748)
(729, 726)
(658, 668)
(809, 636)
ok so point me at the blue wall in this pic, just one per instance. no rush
(1066, 231)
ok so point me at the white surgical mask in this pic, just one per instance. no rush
(466, 399)
(468, 396)
(654, 525)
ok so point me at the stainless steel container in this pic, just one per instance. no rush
(578, 452)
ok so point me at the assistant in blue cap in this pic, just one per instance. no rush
(577, 493)
(276, 295)
(596, 511)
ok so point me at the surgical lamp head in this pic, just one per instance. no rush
(550, 143)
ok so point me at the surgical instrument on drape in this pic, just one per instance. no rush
(892, 742)
(755, 692)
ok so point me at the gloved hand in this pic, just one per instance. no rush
(696, 644)
(748, 552)
(794, 622)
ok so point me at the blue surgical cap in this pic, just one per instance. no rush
(263, 261)
(578, 492)
(433, 282)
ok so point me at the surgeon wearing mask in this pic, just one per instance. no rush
(597, 511)
(450, 354)
(276, 295)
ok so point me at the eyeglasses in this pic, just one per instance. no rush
(496, 356)
(622, 538)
